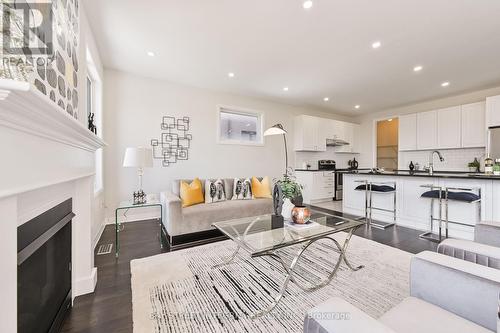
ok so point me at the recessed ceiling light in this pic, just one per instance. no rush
(307, 4)
(285, 88)
(357, 106)
(445, 84)
(376, 44)
(151, 54)
(417, 68)
(326, 99)
(230, 74)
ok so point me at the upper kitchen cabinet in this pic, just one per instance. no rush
(408, 132)
(309, 134)
(427, 130)
(474, 125)
(449, 122)
(493, 111)
(349, 131)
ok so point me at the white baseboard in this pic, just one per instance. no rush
(85, 285)
(99, 234)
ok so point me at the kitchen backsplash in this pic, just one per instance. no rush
(454, 159)
(330, 154)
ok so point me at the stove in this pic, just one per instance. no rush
(326, 165)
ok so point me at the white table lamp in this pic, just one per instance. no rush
(140, 158)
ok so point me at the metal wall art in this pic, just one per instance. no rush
(175, 141)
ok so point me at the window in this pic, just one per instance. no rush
(90, 93)
(239, 126)
(93, 87)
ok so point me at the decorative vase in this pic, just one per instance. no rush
(286, 210)
(301, 214)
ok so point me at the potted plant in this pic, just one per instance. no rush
(291, 194)
(474, 166)
(291, 189)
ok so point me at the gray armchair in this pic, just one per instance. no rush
(446, 295)
(484, 250)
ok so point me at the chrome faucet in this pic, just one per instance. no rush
(430, 169)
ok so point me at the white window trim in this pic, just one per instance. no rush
(97, 109)
(245, 112)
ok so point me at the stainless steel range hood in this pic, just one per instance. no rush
(336, 142)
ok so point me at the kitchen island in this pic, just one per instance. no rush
(414, 211)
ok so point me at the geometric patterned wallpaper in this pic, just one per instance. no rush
(56, 75)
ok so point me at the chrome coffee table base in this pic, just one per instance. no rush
(289, 269)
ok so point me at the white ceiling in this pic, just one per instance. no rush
(323, 51)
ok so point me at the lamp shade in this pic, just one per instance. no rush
(275, 130)
(138, 157)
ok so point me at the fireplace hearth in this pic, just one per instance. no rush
(44, 270)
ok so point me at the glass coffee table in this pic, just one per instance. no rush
(256, 236)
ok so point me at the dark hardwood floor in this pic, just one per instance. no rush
(109, 308)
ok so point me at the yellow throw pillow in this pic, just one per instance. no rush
(261, 189)
(191, 194)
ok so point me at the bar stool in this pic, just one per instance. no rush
(444, 194)
(382, 188)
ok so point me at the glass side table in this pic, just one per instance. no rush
(127, 205)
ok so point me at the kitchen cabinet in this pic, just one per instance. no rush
(309, 134)
(449, 128)
(317, 185)
(338, 130)
(427, 130)
(474, 125)
(350, 132)
(408, 132)
(493, 111)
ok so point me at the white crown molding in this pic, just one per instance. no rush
(24, 108)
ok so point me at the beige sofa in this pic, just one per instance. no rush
(194, 223)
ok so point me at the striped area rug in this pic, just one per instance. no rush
(182, 292)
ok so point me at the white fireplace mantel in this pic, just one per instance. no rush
(24, 108)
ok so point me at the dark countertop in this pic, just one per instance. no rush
(336, 170)
(437, 174)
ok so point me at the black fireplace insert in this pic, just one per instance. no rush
(44, 270)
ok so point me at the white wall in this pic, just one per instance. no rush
(134, 107)
(366, 133)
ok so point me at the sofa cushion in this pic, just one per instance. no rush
(191, 193)
(413, 315)
(242, 189)
(200, 217)
(176, 185)
(215, 191)
(261, 189)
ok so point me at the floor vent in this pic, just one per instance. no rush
(104, 249)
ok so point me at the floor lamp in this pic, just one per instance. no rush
(279, 130)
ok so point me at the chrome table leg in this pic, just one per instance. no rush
(290, 270)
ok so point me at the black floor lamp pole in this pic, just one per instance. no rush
(286, 155)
